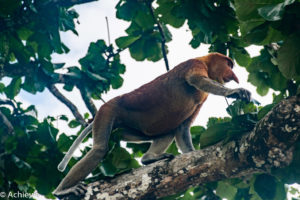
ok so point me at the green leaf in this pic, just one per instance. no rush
(13, 88)
(263, 111)
(196, 132)
(152, 50)
(259, 80)
(117, 161)
(173, 149)
(225, 190)
(274, 12)
(167, 12)
(63, 117)
(2, 87)
(241, 56)
(73, 124)
(144, 20)
(127, 9)
(64, 142)
(214, 134)
(124, 42)
(265, 186)
(116, 82)
(137, 50)
(289, 59)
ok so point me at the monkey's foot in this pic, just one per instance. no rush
(150, 158)
(77, 190)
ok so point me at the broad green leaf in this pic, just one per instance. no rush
(116, 82)
(73, 124)
(144, 20)
(214, 134)
(124, 42)
(265, 186)
(117, 161)
(153, 50)
(274, 12)
(241, 56)
(173, 149)
(259, 80)
(225, 190)
(137, 50)
(126, 10)
(167, 12)
(289, 59)
(64, 142)
(263, 111)
(13, 88)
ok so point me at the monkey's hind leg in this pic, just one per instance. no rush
(101, 131)
(157, 149)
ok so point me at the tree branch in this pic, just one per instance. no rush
(269, 145)
(162, 34)
(68, 3)
(88, 101)
(68, 103)
(6, 122)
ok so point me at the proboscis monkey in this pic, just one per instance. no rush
(158, 111)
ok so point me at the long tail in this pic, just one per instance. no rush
(62, 165)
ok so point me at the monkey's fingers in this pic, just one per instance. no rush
(245, 95)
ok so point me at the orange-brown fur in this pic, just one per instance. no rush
(160, 110)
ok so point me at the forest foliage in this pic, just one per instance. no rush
(30, 149)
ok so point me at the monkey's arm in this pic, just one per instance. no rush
(210, 86)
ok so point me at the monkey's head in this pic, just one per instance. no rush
(220, 68)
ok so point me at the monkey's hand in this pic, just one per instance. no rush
(240, 93)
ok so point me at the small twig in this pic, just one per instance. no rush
(6, 122)
(108, 33)
(162, 34)
(226, 101)
(68, 103)
(88, 102)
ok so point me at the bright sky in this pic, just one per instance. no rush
(93, 27)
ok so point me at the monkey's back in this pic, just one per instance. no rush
(162, 104)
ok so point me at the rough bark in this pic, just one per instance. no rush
(269, 145)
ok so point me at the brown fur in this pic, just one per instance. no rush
(159, 110)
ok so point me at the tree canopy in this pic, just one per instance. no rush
(30, 149)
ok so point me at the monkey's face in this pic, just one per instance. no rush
(221, 69)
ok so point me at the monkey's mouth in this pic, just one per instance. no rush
(226, 80)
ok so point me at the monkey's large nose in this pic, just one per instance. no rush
(233, 77)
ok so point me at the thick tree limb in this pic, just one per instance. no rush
(68, 103)
(269, 145)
